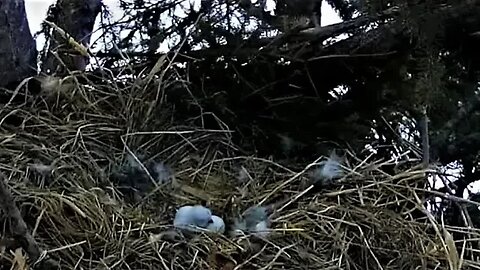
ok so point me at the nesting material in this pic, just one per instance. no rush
(373, 220)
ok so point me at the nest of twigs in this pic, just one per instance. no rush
(58, 149)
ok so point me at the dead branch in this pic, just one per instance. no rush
(18, 226)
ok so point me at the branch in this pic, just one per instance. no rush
(425, 139)
(19, 227)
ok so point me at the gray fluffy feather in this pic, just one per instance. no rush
(329, 171)
(254, 221)
(133, 180)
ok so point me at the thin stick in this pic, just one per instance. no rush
(425, 139)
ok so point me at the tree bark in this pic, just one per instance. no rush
(18, 53)
(77, 19)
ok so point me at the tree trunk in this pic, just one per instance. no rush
(77, 19)
(18, 53)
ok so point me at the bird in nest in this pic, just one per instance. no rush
(255, 221)
(328, 172)
(135, 178)
(198, 218)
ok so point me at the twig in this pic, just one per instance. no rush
(425, 140)
(367, 55)
(80, 48)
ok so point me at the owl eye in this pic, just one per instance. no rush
(210, 221)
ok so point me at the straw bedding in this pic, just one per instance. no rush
(58, 150)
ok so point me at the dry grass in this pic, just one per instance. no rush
(57, 151)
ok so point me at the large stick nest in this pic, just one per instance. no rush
(59, 148)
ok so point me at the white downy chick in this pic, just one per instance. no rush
(217, 225)
(198, 218)
(329, 170)
(254, 221)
